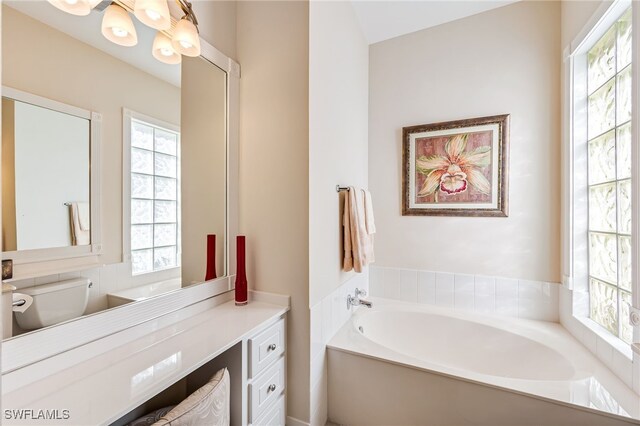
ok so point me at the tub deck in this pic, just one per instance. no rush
(591, 386)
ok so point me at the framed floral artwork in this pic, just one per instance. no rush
(456, 168)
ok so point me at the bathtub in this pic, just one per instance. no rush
(402, 363)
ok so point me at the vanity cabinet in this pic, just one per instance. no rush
(166, 359)
(267, 376)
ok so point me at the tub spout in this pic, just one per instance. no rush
(356, 301)
(366, 303)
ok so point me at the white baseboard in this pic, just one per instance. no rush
(292, 421)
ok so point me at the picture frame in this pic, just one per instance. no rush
(456, 168)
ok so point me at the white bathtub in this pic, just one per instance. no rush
(421, 364)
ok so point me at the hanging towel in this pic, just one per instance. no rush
(368, 213)
(358, 243)
(84, 216)
(80, 226)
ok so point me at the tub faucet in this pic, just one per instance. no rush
(356, 301)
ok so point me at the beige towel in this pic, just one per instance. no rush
(84, 217)
(79, 236)
(358, 243)
(368, 213)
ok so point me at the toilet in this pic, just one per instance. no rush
(54, 303)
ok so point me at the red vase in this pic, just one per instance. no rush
(241, 272)
(211, 257)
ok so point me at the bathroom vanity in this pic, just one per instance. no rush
(111, 382)
(158, 162)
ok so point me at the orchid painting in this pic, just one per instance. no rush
(456, 168)
(453, 172)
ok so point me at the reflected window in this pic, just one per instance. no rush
(154, 196)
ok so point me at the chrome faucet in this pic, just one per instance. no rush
(356, 301)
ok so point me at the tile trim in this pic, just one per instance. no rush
(495, 295)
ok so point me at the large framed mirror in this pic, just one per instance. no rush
(121, 164)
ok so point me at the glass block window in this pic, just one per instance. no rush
(609, 178)
(155, 202)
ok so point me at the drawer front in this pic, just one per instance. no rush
(265, 348)
(275, 416)
(266, 389)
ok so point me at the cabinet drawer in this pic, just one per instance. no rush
(266, 389)
(265, 348)
(275, 416)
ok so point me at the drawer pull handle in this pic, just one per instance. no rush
(272, 347)
(272, 387)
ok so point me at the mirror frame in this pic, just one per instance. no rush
(132, 321)
(36, 262)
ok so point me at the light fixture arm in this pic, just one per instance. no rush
(187, 9)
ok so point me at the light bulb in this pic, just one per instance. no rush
(119, 32)
(118, 27)
(186, 40)
(153, 13)
(74, 7)
(163, 50)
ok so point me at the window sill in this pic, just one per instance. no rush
(156, 272)
(616, 344)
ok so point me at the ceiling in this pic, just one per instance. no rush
(382, 20)
(379, 19)
(88, 30)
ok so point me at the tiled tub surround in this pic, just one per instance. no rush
(478, 293)
(327, 317)
(437, 362)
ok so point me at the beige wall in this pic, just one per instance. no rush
(43, 61)
(574, 16)
(338, 144)
(217, 24)
(273, 50)
(9, 237)
(338, 124)
(203, 177)
(502, 61)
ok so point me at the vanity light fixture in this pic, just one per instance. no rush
(75, 7)
(118, 27)
(173, 39)
(163, 50)
(153, 13)
(186, 39)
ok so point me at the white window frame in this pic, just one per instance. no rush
(576, 225)
(129, 115)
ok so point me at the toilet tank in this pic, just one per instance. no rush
(54, 303)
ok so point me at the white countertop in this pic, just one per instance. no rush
(100, 388)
